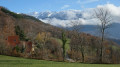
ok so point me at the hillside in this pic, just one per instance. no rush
(26, 23)
(46, 39)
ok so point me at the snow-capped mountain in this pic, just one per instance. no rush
(64, 18)
(85, 17)
(61, 15)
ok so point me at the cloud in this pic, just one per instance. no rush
(65, 6)
(67, 23)
(114, 10)
(86, 1)
(57, 22)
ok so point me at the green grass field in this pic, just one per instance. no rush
(7, 61)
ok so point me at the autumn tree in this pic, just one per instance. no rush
(2, 46)
(104, 17)
(54, 49)
(41, 40)
(43, 37)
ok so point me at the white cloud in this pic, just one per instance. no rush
(71, 14)
(35, 14)
(114, 10)
(57, 22)
(65, 6)
(86, 1)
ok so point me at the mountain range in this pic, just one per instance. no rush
(89, 24)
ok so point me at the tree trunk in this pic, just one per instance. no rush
(82, 56)
(101, 48)
(82, 52)
(63, 51)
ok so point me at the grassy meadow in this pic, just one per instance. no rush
(7, 61)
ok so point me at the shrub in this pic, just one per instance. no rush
(54, 48)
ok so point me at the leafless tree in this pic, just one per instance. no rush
(105, 19)
(76, 26)
(78, 45)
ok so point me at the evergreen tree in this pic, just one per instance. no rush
(21, 33)
(64, 40)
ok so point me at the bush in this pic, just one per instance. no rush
(55, 49)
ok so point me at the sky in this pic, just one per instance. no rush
(26, 6)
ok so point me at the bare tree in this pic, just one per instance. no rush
(78, 45)
(105, 18)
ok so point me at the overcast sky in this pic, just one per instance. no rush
(26, 6)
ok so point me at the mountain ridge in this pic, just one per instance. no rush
(61, 18)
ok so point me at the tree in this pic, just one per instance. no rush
(41, 41)
(43, 37)
(78, 37)
(64, 41)
(76, 26)
(104, 17)
(21, 33)
(2, 46)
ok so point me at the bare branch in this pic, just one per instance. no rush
(103, 15)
